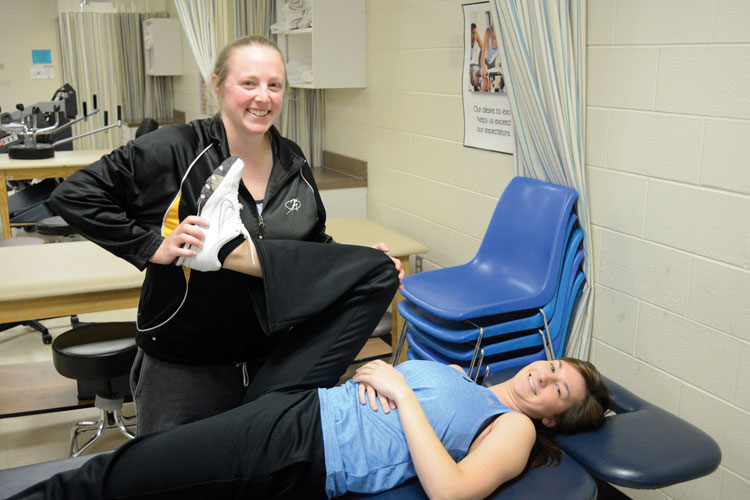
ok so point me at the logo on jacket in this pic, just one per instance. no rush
(292, 205)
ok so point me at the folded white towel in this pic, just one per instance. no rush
(294, 14)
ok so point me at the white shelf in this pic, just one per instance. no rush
(297, 31)
(334, 47)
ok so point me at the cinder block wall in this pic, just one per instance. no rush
(27, 25)
(668, 163)
(408, 125)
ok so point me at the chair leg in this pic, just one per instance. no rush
(399, 346)
(35, 324)
(110, 420)
(122, 424)
(82, 427)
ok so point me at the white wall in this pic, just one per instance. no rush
(27, 25)
(408, 125)
(668, 143)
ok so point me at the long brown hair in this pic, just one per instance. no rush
(587, 414)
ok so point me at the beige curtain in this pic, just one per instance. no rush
(102, 55)
(90, 56)
(544, 51)
(143, 96)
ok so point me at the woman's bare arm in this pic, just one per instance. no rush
(244, 259)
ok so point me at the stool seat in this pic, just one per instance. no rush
(54, 226)
(102, 352)
(95, 352)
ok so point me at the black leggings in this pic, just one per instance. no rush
(270, 448)
(320, 303)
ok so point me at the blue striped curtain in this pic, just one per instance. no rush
(543, 50)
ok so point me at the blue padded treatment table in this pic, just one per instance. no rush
(568, 481)
(643, 446)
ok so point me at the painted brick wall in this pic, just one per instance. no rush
(668, 162)
(27, 25)
(408, 125)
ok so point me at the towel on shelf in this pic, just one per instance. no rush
(297, 72)
(293, 14)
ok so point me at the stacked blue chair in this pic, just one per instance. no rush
(512, 303)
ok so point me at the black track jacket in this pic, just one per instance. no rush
(130, 199)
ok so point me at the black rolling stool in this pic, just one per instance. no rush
(98, 356)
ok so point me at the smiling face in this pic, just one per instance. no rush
(545, 389)
(253, 91)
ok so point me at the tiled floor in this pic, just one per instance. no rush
(39, 438)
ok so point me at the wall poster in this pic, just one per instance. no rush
(487, 120)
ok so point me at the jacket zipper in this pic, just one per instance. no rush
(289, 175)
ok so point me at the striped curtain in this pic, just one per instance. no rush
(199, 23)
(543, 48)
(302, 121)
(144, 96)
(96, 46)
(90, 56)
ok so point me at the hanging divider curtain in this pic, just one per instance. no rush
(543, 50)
(197, 18)
(90, 58)
(96, 46)
(144, 96)
(259, 16)
(302, 121)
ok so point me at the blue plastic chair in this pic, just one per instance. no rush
(517, 265)
(455, 332)
(464, 351)
(423, 347)
(467, 332)
(417, 352)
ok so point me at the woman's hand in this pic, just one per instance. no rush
(368, 393)
(382, 381)
(384, 248)
(177, 243)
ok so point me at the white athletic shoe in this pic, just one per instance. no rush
(219, 203)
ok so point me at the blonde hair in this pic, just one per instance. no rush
(221, 67)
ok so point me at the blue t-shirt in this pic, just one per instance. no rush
(366, 451)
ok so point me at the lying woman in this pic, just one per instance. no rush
(381, 428)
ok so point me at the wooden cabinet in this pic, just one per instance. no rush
(331, 53)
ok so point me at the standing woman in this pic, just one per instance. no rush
(202, 348)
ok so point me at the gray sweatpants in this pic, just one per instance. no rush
(178, 393)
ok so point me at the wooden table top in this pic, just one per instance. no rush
(61, 159)
(360, 231)
(51, 269)
(62, 269)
